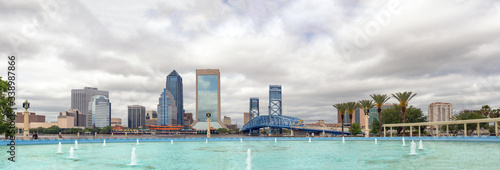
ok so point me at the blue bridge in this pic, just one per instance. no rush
(278, 122)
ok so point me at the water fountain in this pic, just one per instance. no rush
(375, 140)
(275, 140)
(413, 146)
(343, 141)
(241, 139)
(59, 149)
(249, 159)
(133, 157)
(171, 141)
(137, 141)
(420, 145)
(206, 140)
(309, 140)
(71, 152)
(403, 139)
(104, 142)
(76, 144)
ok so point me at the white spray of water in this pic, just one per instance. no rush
(249, 160)
(375, 140)
(76, 144)
(343, 140)
(403, 139)
(104, 142)
(420, 145)
(133, 157)
(59, 148)
(71, 152)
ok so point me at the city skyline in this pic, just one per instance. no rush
(321, 54)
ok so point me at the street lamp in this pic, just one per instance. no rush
(26, 130)
(208, 124)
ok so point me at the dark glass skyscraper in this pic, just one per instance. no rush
(174, 85)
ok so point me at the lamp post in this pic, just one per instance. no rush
(208, 124)
(367, 110)
(26, 130)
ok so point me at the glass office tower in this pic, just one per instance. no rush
(166, 110)
(174, 85)
(208, 98)
(99, 111)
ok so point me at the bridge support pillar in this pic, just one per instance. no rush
(292, 132)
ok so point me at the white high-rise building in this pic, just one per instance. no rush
(439, 111)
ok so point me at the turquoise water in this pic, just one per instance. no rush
(264, 155)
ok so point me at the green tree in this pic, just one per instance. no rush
(394, 115)
(106, 130)
(404, 98)
(7, 114)
(375, 126)
(485, 110)
(222, 131)
(379, 100)
(341, 107)
(355, 129)
(495, 113)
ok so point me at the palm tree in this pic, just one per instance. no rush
(380, 100)
(341, 110)
(350, 107)
(403, 99)
(485, 110)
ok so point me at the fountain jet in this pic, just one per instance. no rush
(343, 140)
(133, 157)
(171, 141)
(241, 139)
(413, 146)
(104, 142)
(71, 152)
(275, 140)
(375, 140)
(76, 144)
(249, 160)
(59, 149)
(309, 140)
(403, 139)
(420, 145)
(137, 141)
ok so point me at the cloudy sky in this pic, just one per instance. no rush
(322, 52)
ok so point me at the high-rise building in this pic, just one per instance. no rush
(254, 107)
(374, 113)
(136, 116)
(99, 111)
(439, 111)
(227, 121)
(80, 118)
(208, 99)
(246, 117)
(80, 99)
(167, 110)
(150, 114)
(116, 122)
(174, 85)
(188, 118)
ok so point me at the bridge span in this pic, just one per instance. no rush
(286, 122)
